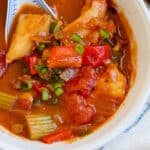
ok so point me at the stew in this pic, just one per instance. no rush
(64, 78)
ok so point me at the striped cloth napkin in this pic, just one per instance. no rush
(135, 137)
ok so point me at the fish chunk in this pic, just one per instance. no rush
(28, 26)
(112, 83)
(92, 18)
(92, 9)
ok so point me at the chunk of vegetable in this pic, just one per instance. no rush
(76, 38)
(53, 102)
(57, 85)
(83, 82)
(25, 100)
(104, 34)
(41, 69)
(7, 101)
(79, 110)
(45, 95)
(68, 73)
(59, 135)
(64, 56)
(59, 92)
(37, 87)
(96, 55)
(40, 125)
(52, 27)
(31, 61)
(3, 65)
(41, 47)
(26, 86)
(79, 48)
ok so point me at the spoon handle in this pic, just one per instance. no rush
(44, 5)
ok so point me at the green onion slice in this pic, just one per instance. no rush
(59, 92)
(76, 38)
(26, 86)
(103, 33)
(42, 69)
(41, 47)
(53, 102)
(52, 27)
(79, 49)
(57, 85)
(45, 95)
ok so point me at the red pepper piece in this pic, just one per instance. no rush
(79, 110)
(31, 61)
(64, 56)
(58, 135)
(96, 55)
(83, 83)
(37, 88)
(3, 65)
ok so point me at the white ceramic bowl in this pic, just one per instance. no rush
(135, 12)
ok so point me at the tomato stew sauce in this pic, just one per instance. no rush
(75, 77)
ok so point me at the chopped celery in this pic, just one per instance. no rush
(39, 125)
(7, 101)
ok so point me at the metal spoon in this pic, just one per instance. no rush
(14, 5)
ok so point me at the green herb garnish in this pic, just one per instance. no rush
(53, 102)
(26, 86)
(79, 49)
(59, 92)
(41, 47)
(45, 95)
(52, 27)
(103, 33)
(42, 69)
(76, 38)
(57, 85)
(37, 103)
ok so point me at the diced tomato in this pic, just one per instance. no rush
(25, 101)
(83, 83)
(80, 111)
(58, 135)
(96, 55)
(37, 88)
(3, 64)
(31, 62)
(64, 56)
